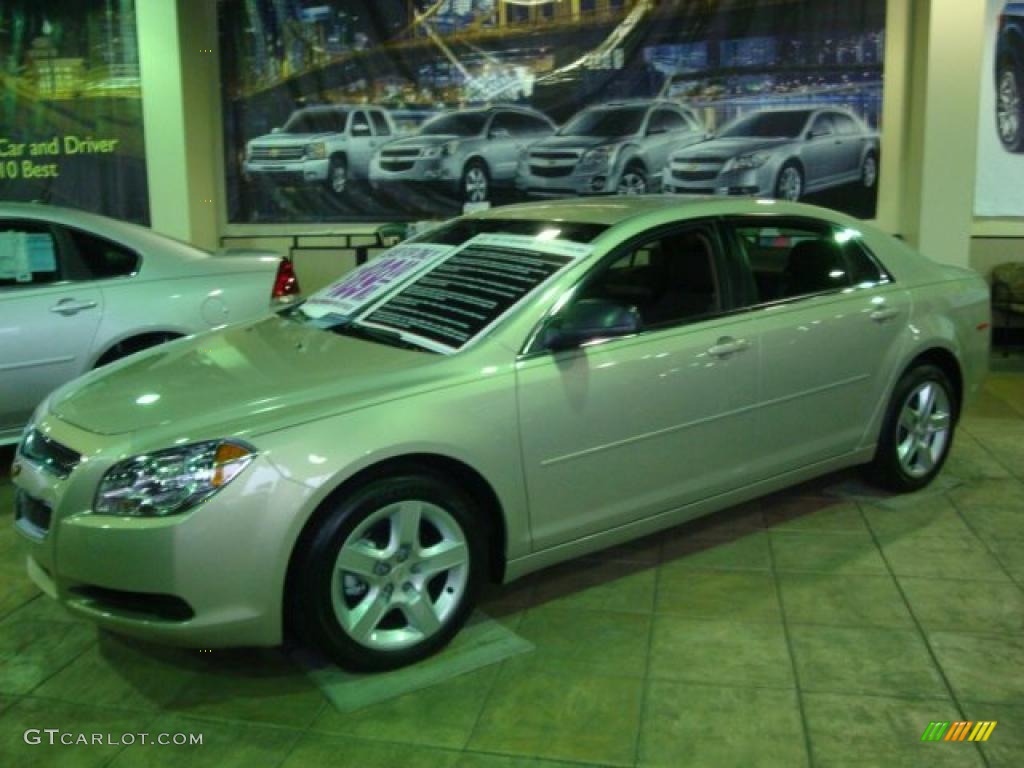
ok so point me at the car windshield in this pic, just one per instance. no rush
(605, 122)
(317, 121)
(458, 124)
(768, 125)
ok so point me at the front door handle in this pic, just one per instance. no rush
(884, 314)
(69, 307)
(727, 346)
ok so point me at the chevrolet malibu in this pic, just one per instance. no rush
(507, 391)
(781, 153)
(78, 291)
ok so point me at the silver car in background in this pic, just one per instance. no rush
(781, 153)
(469, 152)
(613, 148)
(329, 145)
(78, 291)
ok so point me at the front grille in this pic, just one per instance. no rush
(555, 155)
(396, 166)
(278, 153)
(695, 175)
(706, 159)
(399, 154)
(548, 172)
(47, 454)
(31, 514)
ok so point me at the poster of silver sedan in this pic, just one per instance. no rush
(554, 379)
(441, 104)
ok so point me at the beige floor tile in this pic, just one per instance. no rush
(843, 601)
(724, 595)
(959, 605)
(982, 668)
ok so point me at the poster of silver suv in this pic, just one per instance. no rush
(352, 110)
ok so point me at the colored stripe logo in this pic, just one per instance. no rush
(960, 730)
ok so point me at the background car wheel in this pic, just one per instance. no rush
(869, 171)
(391, 573)
(633, 181)
(790, 184)
(131, 346)
(1010, 106)
(337, 175)
(476, 183)
(917, 432)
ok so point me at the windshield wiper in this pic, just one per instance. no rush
(380, 335)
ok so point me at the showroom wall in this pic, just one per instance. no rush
(933, 76)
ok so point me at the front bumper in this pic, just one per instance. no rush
(420, 170)
(574, 184)
(291, 172)
(212, 577)
(681, 179)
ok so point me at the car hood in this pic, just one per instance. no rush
(730, 147)
(291, 139)
(577, 142)
(245, 379)
(419, 142)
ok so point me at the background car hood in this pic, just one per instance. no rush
(245, 379)
(419, 142)
(291, 139)
(730, 147)
(577, 142)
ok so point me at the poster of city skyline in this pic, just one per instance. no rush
(341, 110)
(71, 128)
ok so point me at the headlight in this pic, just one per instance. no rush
(172, 481)
(432, 152)
(598, 158)
(747, 162)
(317, 151)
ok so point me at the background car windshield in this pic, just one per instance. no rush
(455, 125)
(781, 125)
(321, 121)
(606, 122)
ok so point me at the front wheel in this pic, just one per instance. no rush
(790, 184)
(917, 432)
(391, 574)
(633, 181)
(476, 183)
(337, 175)
(1010, 107)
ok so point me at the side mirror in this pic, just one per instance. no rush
(500, 133)
(590, 320)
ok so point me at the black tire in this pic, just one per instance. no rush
(337, 176)
(790, 173)
(635, 171)
(1009, 91)
(317, 580)
(887, 470)
(869, 171)
(473, 175)
(131, 346)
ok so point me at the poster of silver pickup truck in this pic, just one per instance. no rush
(406, 109)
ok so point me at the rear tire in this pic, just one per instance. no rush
(917, 432)
(1010, 104)
(131, 346)
(869, 171)
(391, 572)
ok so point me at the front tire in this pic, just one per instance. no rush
(337, 175)
(392, 572)
(790, 183)
(476, 183)
(917, 432)
(633, 181)
(1010, 105)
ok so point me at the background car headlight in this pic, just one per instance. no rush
(170, 482)
(316, 151)
(747, 162)
(598, 158)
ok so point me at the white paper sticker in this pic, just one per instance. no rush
(367, 283)
(42, 256)
(14, 263)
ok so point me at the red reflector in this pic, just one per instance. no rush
(286, 283)
(984, 326)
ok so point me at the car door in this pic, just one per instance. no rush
(667, 131)
(361, 144)
(820, 156)
(850, 145)
(829, 321)
(618, 431)
(49, 313)
(505, 141)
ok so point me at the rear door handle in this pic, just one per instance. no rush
(884, 314)
(69, 307)
(728, 346)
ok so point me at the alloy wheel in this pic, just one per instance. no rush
(869, 173)
(791, 184)
(923, 430)
(1008, 111)
(400, 575)
(632, 183)
(476, 185)
(339, 178)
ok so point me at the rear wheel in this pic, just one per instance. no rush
(918, 430)
(131, 346)
(869, 171)
(391, 574)
(1010, 105)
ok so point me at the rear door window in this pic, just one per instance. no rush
(29, 255)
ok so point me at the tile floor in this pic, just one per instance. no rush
(805, 629)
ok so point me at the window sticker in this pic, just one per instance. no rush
(367, 283)
(14, 260)
(463, 295)
(42, 256)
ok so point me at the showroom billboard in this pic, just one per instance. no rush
(71, 106)
(1000, 187)
(370, 110)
